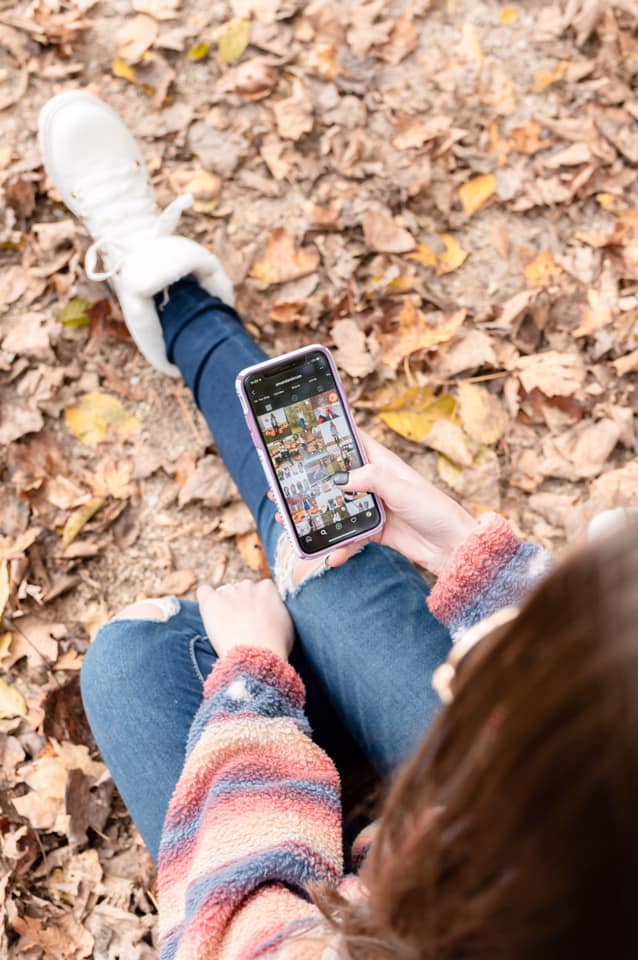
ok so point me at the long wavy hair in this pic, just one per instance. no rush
(512, 832)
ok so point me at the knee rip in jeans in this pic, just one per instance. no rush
(159, 609)
(291, 572)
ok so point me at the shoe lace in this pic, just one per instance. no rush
(103, 197)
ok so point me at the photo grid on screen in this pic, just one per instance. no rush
(308, 442)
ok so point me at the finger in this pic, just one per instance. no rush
(342, 554)
(279, 519)
(271, 496)
(370, 478)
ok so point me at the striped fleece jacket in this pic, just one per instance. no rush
(256, 817)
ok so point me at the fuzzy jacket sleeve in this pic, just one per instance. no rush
(255, 817)
(490, 570)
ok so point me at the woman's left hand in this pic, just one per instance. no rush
(246, 614)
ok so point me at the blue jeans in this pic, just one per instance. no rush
(366, 643)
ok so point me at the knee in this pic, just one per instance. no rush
(120, 648)
(290, 571)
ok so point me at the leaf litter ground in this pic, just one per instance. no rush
(443, 192)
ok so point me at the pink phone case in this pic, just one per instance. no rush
(265, 459)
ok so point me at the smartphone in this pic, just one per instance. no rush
(302, 427)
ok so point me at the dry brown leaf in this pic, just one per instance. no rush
(12, 702)
(210, 482)
(252, 553)
(416, 332)
(354, 352)
(482, 414)
(283, 261)
(135, 38)
(294, 114)
(546, 78)
(626, 364)
(160, 9)
(554, 374)
(177, 583)
(596, 315)
(383, 234)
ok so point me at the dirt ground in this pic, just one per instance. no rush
(442, 192)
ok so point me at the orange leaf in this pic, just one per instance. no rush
(252, 553)
(282, 261)
(542, 271)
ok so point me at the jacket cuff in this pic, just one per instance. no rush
(262, 665)
(491, 569)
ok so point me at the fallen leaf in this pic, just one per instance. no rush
(294, 114)
(626, 364)
(94, 617)
(546, 78)
(283, 261)
(252, 553)
(160, 9)
(177, 583)
(74, 314)
(210, 482)
(199, 50)
(425, 255)
(554, 374)
(415, 411)
(96, 415)
(384, 235)
(79, 518)
(416, 332)
(135, 37)
(448, 439)
(232, 38)
(12, 703)
(476, 192)
(542, 271)
(453, 257)
(596, 315)
(482, 414)
(508, 16)
(236, 519)
(353, 351)
(470, 46)
(204, 187)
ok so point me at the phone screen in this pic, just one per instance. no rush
(308, 439)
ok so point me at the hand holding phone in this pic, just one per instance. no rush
(303, 430)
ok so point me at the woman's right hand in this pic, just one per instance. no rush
(422, 522)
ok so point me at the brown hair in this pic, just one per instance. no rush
(512, 832)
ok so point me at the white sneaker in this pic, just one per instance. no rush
(97, 168)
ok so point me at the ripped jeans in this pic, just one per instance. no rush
(366, 643)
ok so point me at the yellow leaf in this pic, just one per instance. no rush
(545, 78)
(483, 417)
(453, 257)
(470, 46)
(414, 413)
(199, 51)
(12, 703)
(508, 16)
(79, 518)
(415, 332)
(232, 38)
(476, 192)
(424, 255)
(542, 271)
(94, 618)
(611, 203)
(123, 70)
(5, 643)
(95, 414)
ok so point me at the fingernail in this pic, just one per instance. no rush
(341, 477)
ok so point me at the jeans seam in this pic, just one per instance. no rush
(191, 652)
